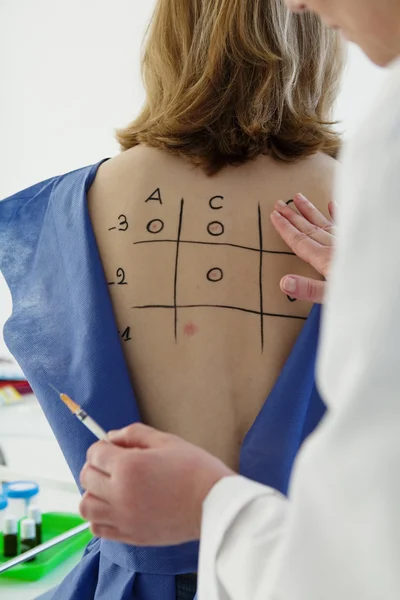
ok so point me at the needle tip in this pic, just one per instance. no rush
(54, 388)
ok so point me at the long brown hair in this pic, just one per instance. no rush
(228, 80)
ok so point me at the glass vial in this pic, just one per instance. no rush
(10, 537)
(36, 514)
(20, 494)
(3, 508)
(28, 536)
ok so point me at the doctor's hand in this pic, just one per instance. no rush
(147, 488)
(311, 236)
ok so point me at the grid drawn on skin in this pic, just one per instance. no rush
(181, 242)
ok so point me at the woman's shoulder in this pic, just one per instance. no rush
(313, 176)
(316, 177)
(320, 169)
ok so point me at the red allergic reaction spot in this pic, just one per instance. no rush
(155, 226)
(215, 274)
(215, 228)
(190, 329)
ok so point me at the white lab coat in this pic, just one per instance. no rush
(338, 535)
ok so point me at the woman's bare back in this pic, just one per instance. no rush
(193, 266)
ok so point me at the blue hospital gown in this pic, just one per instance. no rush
(62, 330)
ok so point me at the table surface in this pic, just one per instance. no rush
(33, 453)
(12, 589)
(51, 498)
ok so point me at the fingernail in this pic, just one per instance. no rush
(301, 197)
(289, 284)
(112, 434)
(281, 204)
(276, 214)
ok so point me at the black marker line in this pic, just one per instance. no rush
(211, 202)
(112, 283)
(126, 334)
(260, 234)
(157, 198)
(246, 310)
(111, 228)
(176, 271)
(216, 244)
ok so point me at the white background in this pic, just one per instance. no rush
(70, 74)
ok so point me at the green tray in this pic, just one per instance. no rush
(53, 524)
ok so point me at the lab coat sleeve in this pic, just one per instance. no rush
(242, 526)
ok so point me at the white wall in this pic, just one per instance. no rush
(69, 74)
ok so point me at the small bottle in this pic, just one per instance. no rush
(36, 514)
(3, 507)
(20, 494)
(28, 536)
(10, 537)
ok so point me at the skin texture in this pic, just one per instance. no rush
(203, 372)
(372, 24)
